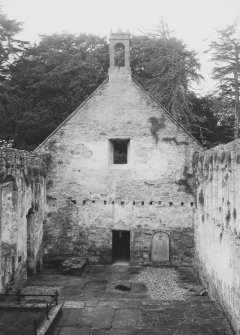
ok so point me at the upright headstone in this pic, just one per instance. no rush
(160, 248)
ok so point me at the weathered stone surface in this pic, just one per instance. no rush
(22, 199)
(70, 317)
(113, 315)
(89, 196)
(217, 229)
(127, 318)
(99, 332)
(75, 331)
(160, 248)
(100, 317)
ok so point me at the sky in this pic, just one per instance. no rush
(194, 21)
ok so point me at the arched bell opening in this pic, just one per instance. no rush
(119, 55)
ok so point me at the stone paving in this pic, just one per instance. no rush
(93, 305)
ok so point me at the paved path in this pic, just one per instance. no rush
(94, 306)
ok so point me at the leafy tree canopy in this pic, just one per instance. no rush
(208, 128)
(166, 68)
(10, 49)
(51, 79)
(226, 57)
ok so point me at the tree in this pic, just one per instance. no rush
(51, 79)
(10, 49)
(172, 87)
(209, 129)
(226, 56)
(167, 69)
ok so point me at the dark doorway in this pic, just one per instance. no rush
(120, 245)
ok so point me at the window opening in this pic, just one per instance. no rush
(120, 151)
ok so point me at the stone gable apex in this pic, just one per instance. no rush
(115, 76)
(119, 74)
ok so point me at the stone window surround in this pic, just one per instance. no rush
(111, 152)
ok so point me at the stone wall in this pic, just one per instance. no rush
(88, 196)
(22, 199)
(217, 225)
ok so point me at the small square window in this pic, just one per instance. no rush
(119, 151)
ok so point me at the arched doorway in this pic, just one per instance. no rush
(8, 231)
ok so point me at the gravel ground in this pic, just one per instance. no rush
(162, 283)
(41, 289)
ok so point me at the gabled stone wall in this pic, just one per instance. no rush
(88, 196)
(217, 225)
(22, 199)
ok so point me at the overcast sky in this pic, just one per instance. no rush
(194, 21)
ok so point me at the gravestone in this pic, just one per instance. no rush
(160, 249)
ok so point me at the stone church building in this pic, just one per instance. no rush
(121, 179)
(119, 185)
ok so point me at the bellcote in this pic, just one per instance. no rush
(119, 51)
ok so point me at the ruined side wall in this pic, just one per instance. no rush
(217, 225)
(22, 197)
(88, 196)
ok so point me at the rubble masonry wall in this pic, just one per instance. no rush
(217, 225)
(88, 196)
(22, 198)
